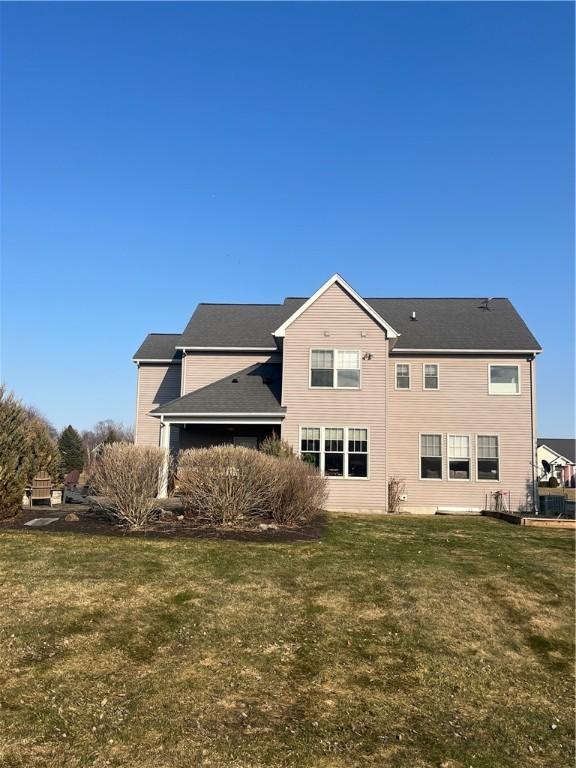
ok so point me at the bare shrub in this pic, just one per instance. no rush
(235, 486)
(300, 492)
(128, 476)
(396, 489)
(225, 484)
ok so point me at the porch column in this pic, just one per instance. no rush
(165, 445)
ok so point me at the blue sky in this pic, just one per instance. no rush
(157, 155)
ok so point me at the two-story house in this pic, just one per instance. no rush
(438, 392)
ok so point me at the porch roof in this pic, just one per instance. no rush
(254, 390)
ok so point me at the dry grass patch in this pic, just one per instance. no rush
(392, 641)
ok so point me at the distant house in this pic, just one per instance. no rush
(438, 392)
(560, 453)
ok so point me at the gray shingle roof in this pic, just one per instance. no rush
(158, 346)
(236, 325)
(252, 390)
(456, 324)
(564, 446)
(439, 324)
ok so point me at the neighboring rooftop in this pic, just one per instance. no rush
(255, 390)
(564, 446)
(158, 346)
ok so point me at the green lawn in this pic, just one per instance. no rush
(390, 642)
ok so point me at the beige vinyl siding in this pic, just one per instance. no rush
(461, 406)
(335, 313)
(157, 384)
(203, 368)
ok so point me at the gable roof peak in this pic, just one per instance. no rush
(347, 288)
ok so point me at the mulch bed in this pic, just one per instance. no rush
(94, 522)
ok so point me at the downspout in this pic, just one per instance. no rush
(535, 497)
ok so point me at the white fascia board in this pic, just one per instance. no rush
(154, 360)
(228, 349)
(467, 351)
(220, 415)
(390, 332)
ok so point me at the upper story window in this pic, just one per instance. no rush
(402, 375)
(504, 379)
(337, 368)
(430, 376)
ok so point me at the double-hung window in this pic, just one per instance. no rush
(488, 457)
(310, 445)
(336, 451)
(431, 457)
(430, 376)
(402, 375)
(337, 368)
(504, 379)
(357, 452)
(459, 457)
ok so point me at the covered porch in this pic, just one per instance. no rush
(241, 409)
(180, 434)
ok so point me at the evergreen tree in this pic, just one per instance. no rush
(15, 438)
(72, 450)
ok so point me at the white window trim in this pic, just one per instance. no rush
(404, 389)
(442, 458)
(448, 457)
(424, 387)
(335, 368)
(489, 434)
(504, 394)
(345, 476)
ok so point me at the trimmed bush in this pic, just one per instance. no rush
(14, 459)
(128, 476)
(235, 486)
